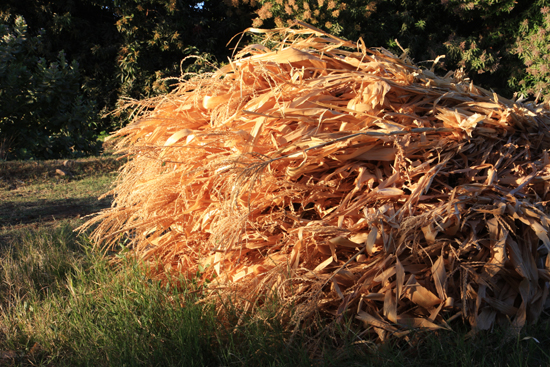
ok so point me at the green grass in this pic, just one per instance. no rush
(64, 298)
(60, 294)
(54, 200)
(63, 303)
(32, 194)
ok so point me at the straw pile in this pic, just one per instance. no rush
(346, 180)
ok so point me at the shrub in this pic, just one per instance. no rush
(476, 35)
(533, 47)
(43, 110)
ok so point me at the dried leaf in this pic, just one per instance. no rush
(343, 175)
(440, 277)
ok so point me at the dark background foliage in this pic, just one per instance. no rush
(43, 110)
(77, 59)
(477, 35)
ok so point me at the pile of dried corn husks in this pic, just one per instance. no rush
(347, 180)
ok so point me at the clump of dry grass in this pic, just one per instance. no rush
(343, 179)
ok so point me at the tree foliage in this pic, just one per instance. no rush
(157, 34)
(43, 111)
(533, 47)
(126, 49)
(477, 35)
(134, 48)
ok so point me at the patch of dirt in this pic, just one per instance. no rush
(15, 173)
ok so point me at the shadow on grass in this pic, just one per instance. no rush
(63, 303)
(20, 213)
(44, 213)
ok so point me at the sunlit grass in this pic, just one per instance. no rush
(63, 296)
(64, 303)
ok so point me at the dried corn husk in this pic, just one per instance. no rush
(345, 179)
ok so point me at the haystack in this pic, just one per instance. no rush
(346, 180)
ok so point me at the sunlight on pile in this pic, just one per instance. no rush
(346, 180)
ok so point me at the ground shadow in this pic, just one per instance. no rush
(20, 213)
(17, 216)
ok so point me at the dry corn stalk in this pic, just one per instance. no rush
(346, 180)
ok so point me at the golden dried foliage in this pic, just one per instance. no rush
(346, 180)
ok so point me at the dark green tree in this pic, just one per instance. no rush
(129, 48)
(533, 47)
(43, 111)
(477, 35)
(158, 34)
(126, 48)
(483, 40)
(85, 32)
